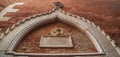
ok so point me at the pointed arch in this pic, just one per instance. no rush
(19, 32)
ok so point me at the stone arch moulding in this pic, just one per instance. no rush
(14, 36)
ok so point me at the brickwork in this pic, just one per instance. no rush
(90, 28)
(81, 42)
(4, 3)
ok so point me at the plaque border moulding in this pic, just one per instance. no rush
(69, 43)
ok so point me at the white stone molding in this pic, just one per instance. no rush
(9, 9)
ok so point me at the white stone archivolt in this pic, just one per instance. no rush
(19, 30)
(9, 9)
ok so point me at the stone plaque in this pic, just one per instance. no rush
(56, 41)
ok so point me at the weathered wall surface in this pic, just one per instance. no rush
(104, 13)
(30, 43)
(4, 3)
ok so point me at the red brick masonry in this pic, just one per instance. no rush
(30, 43)
(104, 13)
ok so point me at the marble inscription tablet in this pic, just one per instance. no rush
(56, 41)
